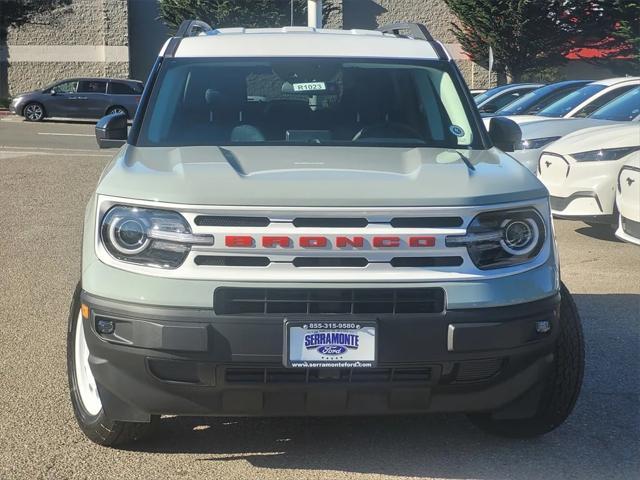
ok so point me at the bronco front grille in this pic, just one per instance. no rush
(347, 301)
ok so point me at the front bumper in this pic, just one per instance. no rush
(628, 230)
(580, 190)
(190, 361)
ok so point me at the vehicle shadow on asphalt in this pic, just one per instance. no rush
(599, 232)
(600, 439)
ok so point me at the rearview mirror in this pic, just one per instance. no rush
(111, 131)
(505, 133)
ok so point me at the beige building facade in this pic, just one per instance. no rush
(120, 38)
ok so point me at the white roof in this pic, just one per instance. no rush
(302, 42)
(613, 81)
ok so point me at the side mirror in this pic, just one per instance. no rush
(111, 130)
(53, 92)
(505, 133)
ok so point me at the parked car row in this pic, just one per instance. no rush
(89, 98)
(584, 146)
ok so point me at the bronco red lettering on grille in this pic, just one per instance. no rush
(386, 242)
(313, 242)
(417, 242)
(238, 241)
(273, 242)
(343, 242)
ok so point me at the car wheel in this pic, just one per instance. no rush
(33, 112)
(85, 397)
(118, 109)
(561, 387)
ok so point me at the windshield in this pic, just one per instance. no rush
(489, 93)
(294, 101)
(624, 108)
(571, 101)
(532, 102)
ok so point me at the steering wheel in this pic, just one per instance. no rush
(387, 130)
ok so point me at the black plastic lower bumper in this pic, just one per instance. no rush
(192, 362)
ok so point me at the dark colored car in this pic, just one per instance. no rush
(535, 101)
(496, 98)
(80, 98)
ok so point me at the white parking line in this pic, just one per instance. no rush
(48, 148)
(6, 152)
(67, 134)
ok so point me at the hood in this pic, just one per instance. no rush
(24, 94)
(318, 176)
(558, 127)
(519, 119)
(618, 135)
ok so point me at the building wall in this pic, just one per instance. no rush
(88, 38)
(435, 14)
(147, 34)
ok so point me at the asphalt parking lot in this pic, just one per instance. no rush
(47, 172)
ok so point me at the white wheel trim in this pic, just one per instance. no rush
(87, 390)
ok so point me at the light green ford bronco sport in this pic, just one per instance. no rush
(315, 222)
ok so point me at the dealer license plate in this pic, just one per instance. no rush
(330, 344)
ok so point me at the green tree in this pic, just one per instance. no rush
(526, 35)
(234, 13)
(622, 44)
(15, 13)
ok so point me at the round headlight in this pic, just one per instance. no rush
(129, 235)
(520, 236)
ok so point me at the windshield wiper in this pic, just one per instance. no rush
(466, 161)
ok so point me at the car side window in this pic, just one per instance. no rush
(92, 86)
(66, 87)
(602, 100)
(549, 100)
(503, 100)
(120, 88)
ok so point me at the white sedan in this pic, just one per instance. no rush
(581, 171)
(536, 136)
(628, 200)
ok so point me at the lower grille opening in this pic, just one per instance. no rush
(174, 371)
(630, 227)
(477, 370)
(426, 262)
(245, 375)
(231, 261)
(306, 262)
(247, 301)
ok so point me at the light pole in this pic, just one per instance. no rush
(314, 10)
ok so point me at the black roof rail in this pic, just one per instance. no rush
(191, 28)
(188, 28)
(415, 30)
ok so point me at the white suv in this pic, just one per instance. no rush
(315, 222)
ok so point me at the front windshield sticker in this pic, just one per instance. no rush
(456, 130)
(310, 87)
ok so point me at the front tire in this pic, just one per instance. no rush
(560, 389)
(33, 112)
(85, 398)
